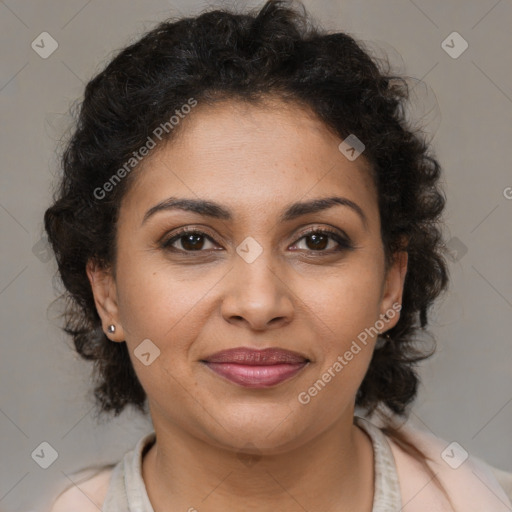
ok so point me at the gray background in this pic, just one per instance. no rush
(465, 104)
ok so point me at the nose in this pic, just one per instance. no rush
(257, 295)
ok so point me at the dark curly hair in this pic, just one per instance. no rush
(220, 55)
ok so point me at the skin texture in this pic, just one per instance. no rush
(254, 159)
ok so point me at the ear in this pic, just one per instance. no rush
(105, 298)
(393, 288)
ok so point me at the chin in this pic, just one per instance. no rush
(262, 430)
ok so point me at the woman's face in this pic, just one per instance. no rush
(252, 280)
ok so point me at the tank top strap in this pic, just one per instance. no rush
(127, 492)
(387, 496)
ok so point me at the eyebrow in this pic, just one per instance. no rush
(217, 211)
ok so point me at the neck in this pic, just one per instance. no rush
(332, 471)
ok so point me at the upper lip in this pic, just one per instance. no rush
(257, 357)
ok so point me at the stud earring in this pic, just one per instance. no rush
(382, 339)
(111, 328)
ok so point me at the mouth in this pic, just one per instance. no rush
(256, 368)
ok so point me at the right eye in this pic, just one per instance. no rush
(191, 240)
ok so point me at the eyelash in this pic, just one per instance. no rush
(344, 243)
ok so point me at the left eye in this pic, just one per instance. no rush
(319, 240)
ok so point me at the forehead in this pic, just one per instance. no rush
(250, 155)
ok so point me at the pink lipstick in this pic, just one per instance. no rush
(256, 368)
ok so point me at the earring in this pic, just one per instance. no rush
(111, 328)
(382, 339)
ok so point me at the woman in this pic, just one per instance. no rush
(250, 237)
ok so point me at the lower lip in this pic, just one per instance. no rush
(256, 376)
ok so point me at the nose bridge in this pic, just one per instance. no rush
(255, 266)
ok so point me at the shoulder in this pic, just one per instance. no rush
(92, 487)
(85, 495)
(504, 478)
(471, 483)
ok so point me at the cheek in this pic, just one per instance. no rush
(344, 317)
(347, 302)
(147, 294)
(156, 306)
(164, 304)
(345, 310)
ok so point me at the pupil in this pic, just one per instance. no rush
(317, 243)
(190, 244)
